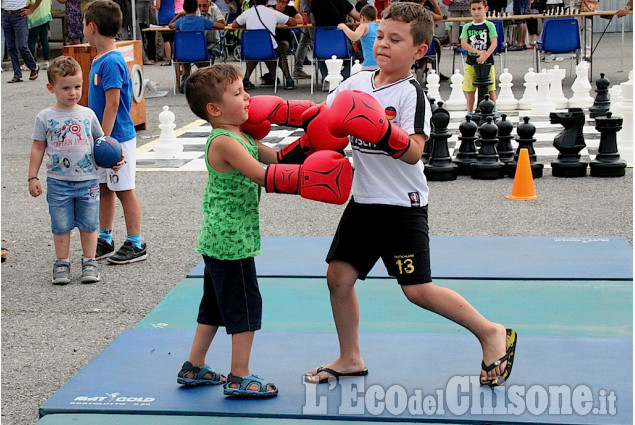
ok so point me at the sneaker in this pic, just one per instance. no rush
(90, 272)
(128, 253)
(104, 249)
(553, 58)
(61, 272)
(517, 48)
(290, 84)
(301, 75)
(45, 65)
(248, 84)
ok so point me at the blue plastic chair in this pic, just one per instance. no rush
(559, 35)
(189, 47)
(256, 45)
(328, 42)
(501, 46)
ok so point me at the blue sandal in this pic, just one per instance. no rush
(198, 376)
(243, 384)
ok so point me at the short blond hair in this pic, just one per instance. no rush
(207, 85)
(62, 66)
(422, 25)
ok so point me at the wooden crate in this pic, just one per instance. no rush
(131, 51)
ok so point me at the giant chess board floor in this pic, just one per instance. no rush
(194, 136)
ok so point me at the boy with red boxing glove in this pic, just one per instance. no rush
(229, 236)
(387, 116)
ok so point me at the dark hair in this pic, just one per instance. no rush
(208, 85)
(422, 26)
(369, 12)
(479, 1)
(62, 66)
(106, 15)
(190, 6)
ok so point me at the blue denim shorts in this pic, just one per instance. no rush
(73, 204)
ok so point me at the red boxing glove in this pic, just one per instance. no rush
(325, 176)
(257, 130)
(277, 110)
(316, 137)
(362, 116)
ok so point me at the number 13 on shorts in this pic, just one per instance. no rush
(404, 263)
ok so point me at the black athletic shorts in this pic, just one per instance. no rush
(397, 235)
(231, 296)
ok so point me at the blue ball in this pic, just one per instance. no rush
(107, 152)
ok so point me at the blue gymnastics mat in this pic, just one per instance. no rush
(480, 257)
(413, 378)
(581, 308)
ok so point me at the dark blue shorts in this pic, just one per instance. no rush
(397, 235)
(520, 8)
(231, 296)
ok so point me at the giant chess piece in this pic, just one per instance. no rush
(487, 166)
(543, 105)
(615, 94)
(440, 166)
(356, 67)
(168, 145)
(526, 140)
(625, 137)
(504, 147)
(581, 87)
(569, 142)
(456, 101)
(467, 148)
(482, 81)
(607, 162)
(602, 102)
(485, 109)
(529, 95)
(557, 95)
(505, 101)
(334, 74)
(432, 84)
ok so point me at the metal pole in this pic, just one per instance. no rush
(134, 19)
(622, 55)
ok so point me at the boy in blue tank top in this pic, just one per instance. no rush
(366, 32)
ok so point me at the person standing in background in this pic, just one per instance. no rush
(38, 28)
(16, 30)
(164, 16)
(74, 21)
(143, 15)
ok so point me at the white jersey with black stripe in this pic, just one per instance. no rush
(379, 178)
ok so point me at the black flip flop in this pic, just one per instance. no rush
(334, 374)
(34, 73)
(15, 80)
(512, 337)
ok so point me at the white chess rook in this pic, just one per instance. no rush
(432, 83)
(456, 101)
(529, 96)
(334, 74)
(543, 104)
(505, 101)
(168, 145)
(557, 96)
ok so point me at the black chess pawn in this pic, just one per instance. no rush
(526, 140)
(504, 147)
(482, 81)
(467, 148)
(487, 166)
(440, 166)
(569, 142)
(486, 109)
(607, 162)
(602, 101)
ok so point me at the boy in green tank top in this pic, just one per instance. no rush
(229, 235)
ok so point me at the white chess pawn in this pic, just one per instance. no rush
(432, 84)
(168, 145)
(456, 101)
(543, 104)
(625, 136)
(581, 87)
(557, 95)
(334, 75)
(356, 67)
(505, 101)
(530, 90)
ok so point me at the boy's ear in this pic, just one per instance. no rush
(212, 110)
(49, 86)
(421, 51)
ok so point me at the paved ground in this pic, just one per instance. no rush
(49, 333)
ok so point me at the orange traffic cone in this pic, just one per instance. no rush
(523, 188)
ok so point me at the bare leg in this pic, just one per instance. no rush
(341, 279)
(62, 245)
(106, 206)
(251, 65)
(131, 211)
(469, 97)
(89, 243)
(453, 306)
(241, 352)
